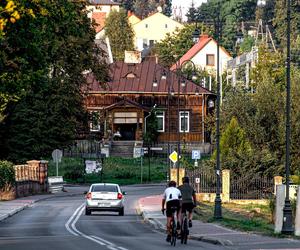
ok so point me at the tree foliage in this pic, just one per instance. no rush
(42, 64)
(120, 33)
(261, 118)
(175, 45)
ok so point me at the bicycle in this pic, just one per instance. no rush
(173, 227)
(184, 230)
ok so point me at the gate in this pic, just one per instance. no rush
(254, 187)
(208, 180)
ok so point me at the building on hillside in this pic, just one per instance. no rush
(153, 29)
(123, 105)
(204, 55)
(98, 10)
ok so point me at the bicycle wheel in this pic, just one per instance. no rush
(185, 230)
(174, 234)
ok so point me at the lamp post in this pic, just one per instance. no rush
(287, 227)
(218, 201)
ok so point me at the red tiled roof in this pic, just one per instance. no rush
(203, 41)
(99, 18)
(138, 78)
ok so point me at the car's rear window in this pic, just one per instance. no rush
(104, 188)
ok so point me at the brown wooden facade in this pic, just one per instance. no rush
(125, 110)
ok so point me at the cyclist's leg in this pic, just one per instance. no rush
(169, 219)
(190, 209)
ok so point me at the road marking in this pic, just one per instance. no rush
(71, 227)
(71, 218)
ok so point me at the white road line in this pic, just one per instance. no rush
(76, 219)
(71, 218)
(74, 231)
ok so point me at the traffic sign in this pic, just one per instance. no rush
(173, 157)
(197, 180)
(56, 155)
(196, 154)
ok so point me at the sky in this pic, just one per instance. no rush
(180, 7)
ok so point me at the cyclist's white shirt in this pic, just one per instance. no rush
(172, 193)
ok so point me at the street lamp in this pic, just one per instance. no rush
(287, 227)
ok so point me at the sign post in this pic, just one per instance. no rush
(56, 156)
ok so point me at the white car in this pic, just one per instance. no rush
(105, 197)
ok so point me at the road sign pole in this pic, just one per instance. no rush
(141, 169)
(56, 168)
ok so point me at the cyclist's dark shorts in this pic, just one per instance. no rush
(170, 204)
(187, 207)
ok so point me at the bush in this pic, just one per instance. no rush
(7, 175)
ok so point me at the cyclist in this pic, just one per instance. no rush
(188, 198)
(172, 198)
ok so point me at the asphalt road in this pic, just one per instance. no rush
(60, 223)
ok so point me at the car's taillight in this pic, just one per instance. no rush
(120, 196)
(89, 196)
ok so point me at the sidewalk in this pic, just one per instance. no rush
(150, 209)
(9, 208)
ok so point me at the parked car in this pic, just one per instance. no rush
(105, 197)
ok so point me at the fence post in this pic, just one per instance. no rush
(280, 197)
(277, 181)
(297, 219)
(226, 185)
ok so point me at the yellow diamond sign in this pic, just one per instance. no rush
(173, 157)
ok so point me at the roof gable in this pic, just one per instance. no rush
(203, 41)
(158, 15)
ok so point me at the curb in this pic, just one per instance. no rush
(17, 210)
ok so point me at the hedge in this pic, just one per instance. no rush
(7, 175)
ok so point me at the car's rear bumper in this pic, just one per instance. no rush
(104, 205)
(109, 209)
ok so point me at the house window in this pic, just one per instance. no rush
(145, 43)
(166, 26)
(160, 116)
(94, 121)
(210, 60)
(151, 43)
(146, 25)
(184, 121)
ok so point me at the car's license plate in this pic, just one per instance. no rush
(103, 204)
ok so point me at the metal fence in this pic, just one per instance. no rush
(207, 180)
(254, 187)
(82, 148)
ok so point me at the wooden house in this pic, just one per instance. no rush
(123, 104)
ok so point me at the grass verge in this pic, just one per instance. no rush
(248, 218)
(123, 171)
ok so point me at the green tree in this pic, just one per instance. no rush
(247, 44)
(167, 8)
(235, 148)
(151, 134)
(279, 22)
(120, 33)
(43, 64)
(192, 13)
(175, 45)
